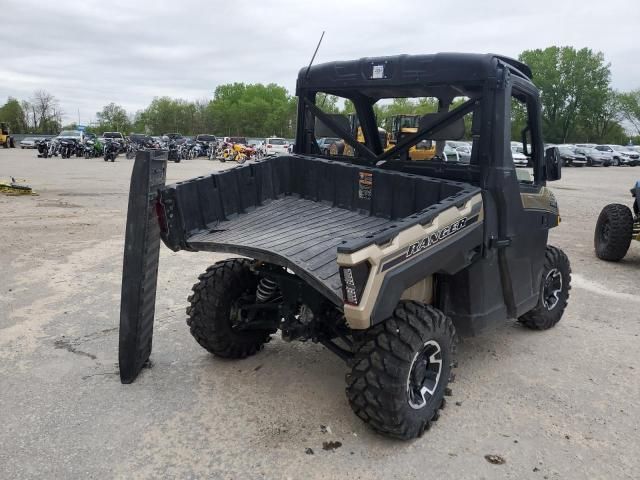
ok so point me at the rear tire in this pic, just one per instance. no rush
(213, 304)
(400, 370)
(554, 292)
(614, 231)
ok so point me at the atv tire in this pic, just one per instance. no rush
(614, 231)
(212, 307)
(396, 363)
(554, 292)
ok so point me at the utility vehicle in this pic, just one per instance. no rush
(617, 225)
(6, 140)
(383, 260)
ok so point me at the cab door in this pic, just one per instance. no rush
(537, 209)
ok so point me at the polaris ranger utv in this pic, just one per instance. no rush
(382, 259)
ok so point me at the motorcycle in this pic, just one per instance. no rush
(196, 150)
(92, 148)
(67, 147)
(236, 152)
(175, 151)
(43, 147)
(78, 149)
(138, 142)
(111, 150)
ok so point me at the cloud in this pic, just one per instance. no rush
(91, 53)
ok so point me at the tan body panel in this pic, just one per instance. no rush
(359, 316)
(543, 200)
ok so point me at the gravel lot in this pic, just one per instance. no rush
(555, 404)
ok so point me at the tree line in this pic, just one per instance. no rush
(578, 105)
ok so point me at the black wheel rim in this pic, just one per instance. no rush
(552, 288)
(424, 375)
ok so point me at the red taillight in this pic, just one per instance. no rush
(269, 146)
(162, 216)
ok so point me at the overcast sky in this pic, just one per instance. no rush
(89, 53)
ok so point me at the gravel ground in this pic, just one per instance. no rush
(554, 404)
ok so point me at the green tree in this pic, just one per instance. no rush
(113, 118)
(600, 121)
(46, 112)
(13, 114)
(253, 110)
(630, 108)
(574, 85)
(328, 103)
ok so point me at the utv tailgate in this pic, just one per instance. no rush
(140, 264)
(298, 212)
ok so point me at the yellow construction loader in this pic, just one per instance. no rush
(343, 148)
(405, 125)
(6, 140)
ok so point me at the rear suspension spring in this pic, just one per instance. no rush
(266, 290)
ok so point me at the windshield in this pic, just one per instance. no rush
(241, 140)
(70, 133)
(565, 150)
(276, 141)
(409, 122)
(206, 138)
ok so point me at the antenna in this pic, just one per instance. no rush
(314, 55)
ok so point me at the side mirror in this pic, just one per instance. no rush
(552, 164)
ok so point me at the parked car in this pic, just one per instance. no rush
(619, 157)
(595, 157)
(275, 145)
(635, 148)
(519, 158)
(463, 149)
(236, 140)
(451, 154)
(173, 136)
(570, 157)
(255, 142)
(633, 157)
(28, 143)
(325, 144)
(76, 135)
(118, 138)
(206, 138)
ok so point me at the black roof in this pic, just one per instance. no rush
(399, 75)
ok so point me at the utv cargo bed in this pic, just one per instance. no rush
(300, 212)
